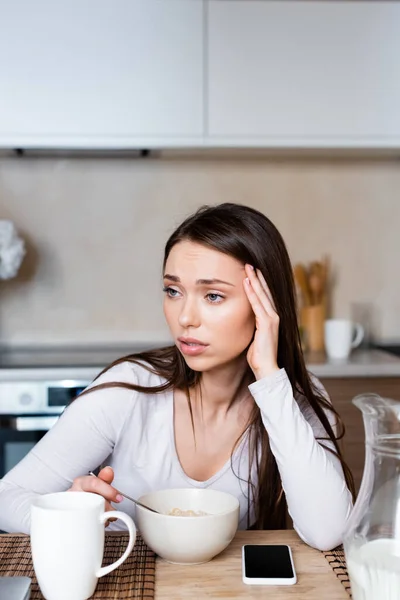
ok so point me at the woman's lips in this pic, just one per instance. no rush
(191, 348)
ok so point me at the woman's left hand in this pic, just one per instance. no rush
(262, 355)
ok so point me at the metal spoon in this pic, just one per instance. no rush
(133, 499)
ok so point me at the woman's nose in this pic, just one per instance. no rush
(189, 316)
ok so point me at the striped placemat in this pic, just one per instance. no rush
(135, 578)
(337, 561)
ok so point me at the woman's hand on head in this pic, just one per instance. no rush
(100, 485)
(262, 354)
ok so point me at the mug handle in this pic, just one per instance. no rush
(116, 514)
(359, 335)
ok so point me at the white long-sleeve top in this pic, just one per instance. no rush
(133, 432)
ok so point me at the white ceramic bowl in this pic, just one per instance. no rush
(188, 540)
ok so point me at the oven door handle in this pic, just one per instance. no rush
(33, 423)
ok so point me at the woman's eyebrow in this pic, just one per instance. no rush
(199, 281)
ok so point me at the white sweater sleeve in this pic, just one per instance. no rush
(83, 437)
(318, 499)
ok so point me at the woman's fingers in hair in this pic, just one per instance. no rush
(266, 289)
(261, 292)
(254, 300)
(262, 352)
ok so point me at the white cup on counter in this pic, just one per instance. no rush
(341, 336)
(67, 542)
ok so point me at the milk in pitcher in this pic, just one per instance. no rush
(374, 569)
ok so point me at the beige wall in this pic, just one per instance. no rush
(96, 228)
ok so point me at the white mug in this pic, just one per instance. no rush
(67, 542)
(341, 336)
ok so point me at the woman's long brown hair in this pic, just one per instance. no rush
(250, 237)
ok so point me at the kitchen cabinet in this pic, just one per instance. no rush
(101, 74)
(299, 73)
(199, 74)
(341, 392)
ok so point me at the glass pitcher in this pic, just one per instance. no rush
(372, 538)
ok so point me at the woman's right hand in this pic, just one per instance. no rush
(100, 485)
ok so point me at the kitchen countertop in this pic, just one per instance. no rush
(78, 364)
(361, 363)
(82, 366)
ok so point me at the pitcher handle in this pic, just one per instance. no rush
(359, 335)
(116, 514)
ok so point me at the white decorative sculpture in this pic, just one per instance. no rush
(12, 250)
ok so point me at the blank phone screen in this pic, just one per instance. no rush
(267, 562)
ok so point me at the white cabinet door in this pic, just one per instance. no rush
(100, 73)
(304, 73)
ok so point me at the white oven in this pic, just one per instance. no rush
(28, 409)
(36, 384)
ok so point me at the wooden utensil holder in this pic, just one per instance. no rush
(312, 321)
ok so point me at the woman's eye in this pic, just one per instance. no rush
(171, 292)
(214, 298)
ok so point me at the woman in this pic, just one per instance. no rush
(229, 406)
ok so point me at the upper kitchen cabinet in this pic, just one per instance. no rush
(303, 74)
(101, 73)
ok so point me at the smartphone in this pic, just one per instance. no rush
(15, 588)
(268, 565)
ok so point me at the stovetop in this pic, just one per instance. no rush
(61, 357)
(391, 348)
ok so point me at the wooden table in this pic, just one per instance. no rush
(222, 577)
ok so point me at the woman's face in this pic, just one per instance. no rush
(205, 305)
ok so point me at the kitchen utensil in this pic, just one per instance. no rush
(317, 279)
(301, 279)
(316, 287)
(131, 499)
